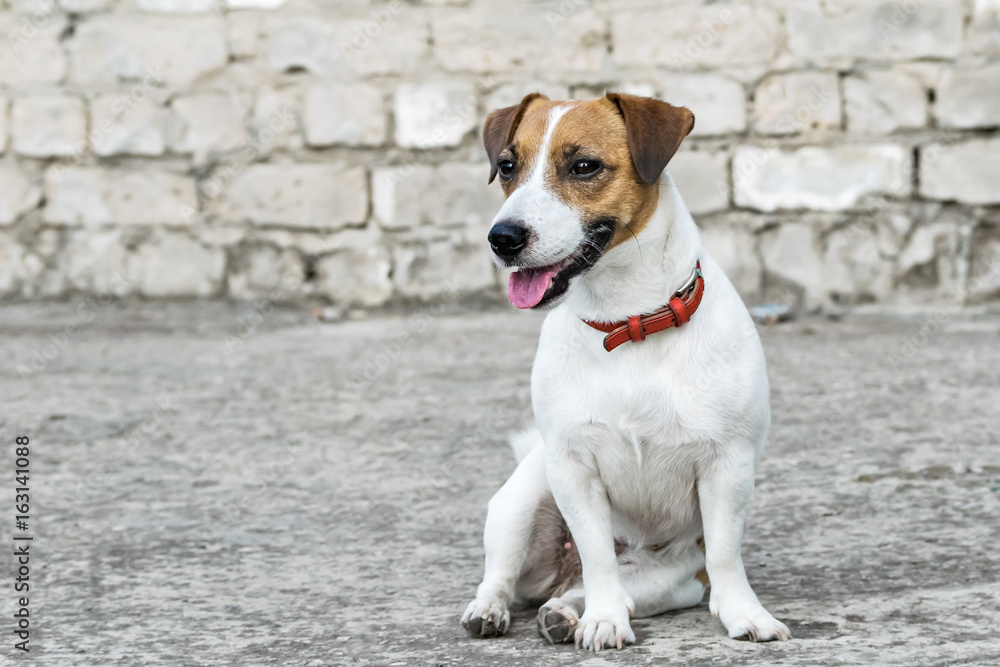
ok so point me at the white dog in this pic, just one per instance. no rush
(640, 475)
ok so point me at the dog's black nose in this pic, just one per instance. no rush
(508, 238)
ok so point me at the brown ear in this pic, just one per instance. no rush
(498, 131)
(654, 129)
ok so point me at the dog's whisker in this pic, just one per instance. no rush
(637, 244)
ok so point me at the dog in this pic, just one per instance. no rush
(649, 386)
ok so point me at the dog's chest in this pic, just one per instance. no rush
(651, 399)
(648, 414)
(643, 428)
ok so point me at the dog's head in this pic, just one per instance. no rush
(580, 178)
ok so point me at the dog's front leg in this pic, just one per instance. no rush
(507, 540)
(725, 489)
(583, 501)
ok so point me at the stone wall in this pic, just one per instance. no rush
(845, 151)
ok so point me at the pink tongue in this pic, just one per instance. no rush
(527, 286)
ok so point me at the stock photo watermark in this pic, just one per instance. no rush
(22, 540)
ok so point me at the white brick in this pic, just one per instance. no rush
(484, 41)
(442, 268)
(691, 37)
(436, 114)
(630, 88)
(790, 253)
(969, 98)
(275, 121)
(97, 196)
(356, 276)
(172, 265)
(840, 30)
(323, 47)
(578, 42)
(928, 260)
(797, 102)
(883, 102)
(319, 242)
(206, 123)
(47, 242)
(983, 36)
(3, 124)
(984, 270)
(176, 6)
(84, 6)
(297, 195)
(854, 271)
(732, 247)
(255, 4)
(242, 34)
(36, 9)
(401, 47)
(174, 49)
(49, 125)
(397, 195)
(348, 115)
(702, 179)
(96, 261)
(31, 52)
(299, 41)
(450, 195)
(122, 125)
(965, 172)
(717, 102)
(18, 193)
(509, 94)
(265, 270)
(827, 179)
(15, 270)
(463, 198)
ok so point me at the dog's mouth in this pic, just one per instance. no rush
(531, 287)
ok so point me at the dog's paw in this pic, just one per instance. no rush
(604, 628)
(486, 617)
(557, 622)
(751, 622)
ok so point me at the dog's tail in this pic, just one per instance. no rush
(524, 442)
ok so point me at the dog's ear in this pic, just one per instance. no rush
(654, 129)
(500, 127)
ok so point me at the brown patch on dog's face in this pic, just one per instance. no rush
(594, 133)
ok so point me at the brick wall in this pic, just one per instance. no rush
(845, 150)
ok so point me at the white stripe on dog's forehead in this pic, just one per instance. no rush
(541, 158)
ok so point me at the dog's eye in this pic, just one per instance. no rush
(585, 167)
(506, 169)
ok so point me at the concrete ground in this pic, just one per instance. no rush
(212, 485)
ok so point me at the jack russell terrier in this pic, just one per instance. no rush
(649, 386)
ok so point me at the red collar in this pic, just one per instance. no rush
(676, 313)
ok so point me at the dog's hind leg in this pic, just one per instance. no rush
(509, 541)
(661, 581)
(657, 582)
